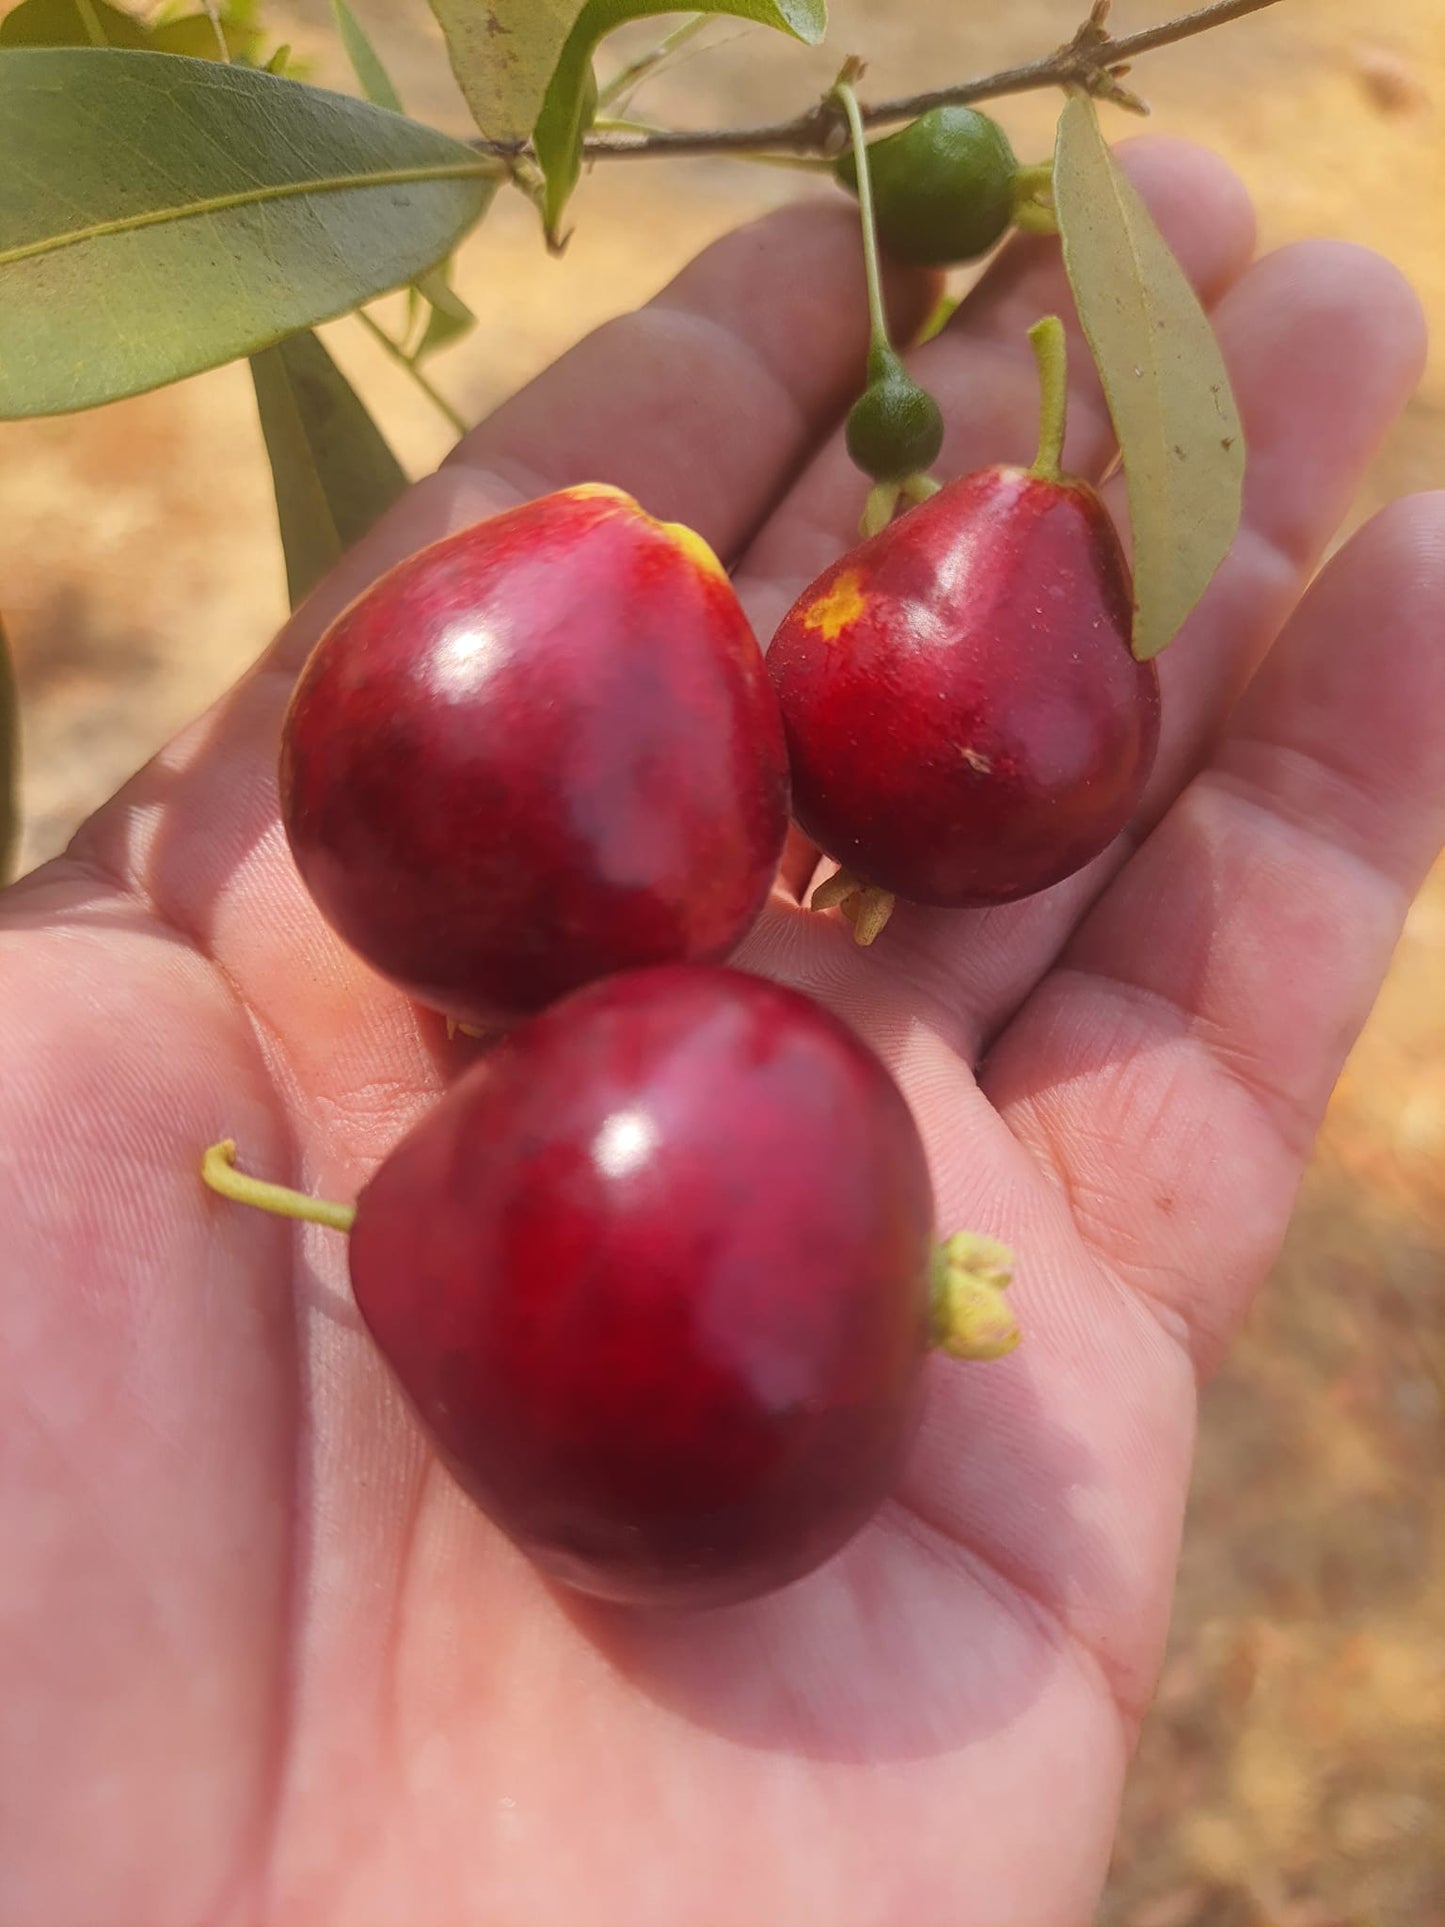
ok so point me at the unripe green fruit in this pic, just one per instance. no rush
(895, 428)
(942, 186)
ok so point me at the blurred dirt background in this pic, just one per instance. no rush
(1293, 1774)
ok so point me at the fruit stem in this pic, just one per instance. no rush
(879, 343)
(1052, 355)
(884, 499)
(1032, 217)
(1033, 205)
(879, 507)
(1029, 178)
(218, 1168)
(971, 1317)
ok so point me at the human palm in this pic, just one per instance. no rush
(261, 1662)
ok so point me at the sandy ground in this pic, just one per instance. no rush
(1292, 1775)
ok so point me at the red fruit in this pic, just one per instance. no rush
(965, 722)
(656, 1277)
(539, 751)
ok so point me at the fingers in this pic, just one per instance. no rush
(702, 404)
(1324, 345)
(1172, 1071)
(982, 368)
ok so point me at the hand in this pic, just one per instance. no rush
(261, 1662)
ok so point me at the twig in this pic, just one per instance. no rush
(1088, 60)
(90, 20)
(647, 64)
(212, 13)
(404, 360)
(1085, 61)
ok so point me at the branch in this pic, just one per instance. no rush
(1088, 61)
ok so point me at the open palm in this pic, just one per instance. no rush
(261, 1662)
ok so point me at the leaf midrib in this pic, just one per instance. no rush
(250, 197)
(1152, 358)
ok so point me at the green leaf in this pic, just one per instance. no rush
(9, 764)
(805, 20)
(503, 53)
(159, 216)
(449, 319)
(366, 62)
(71, 23)
(1164, 377)
(571, 98)
(333, 472)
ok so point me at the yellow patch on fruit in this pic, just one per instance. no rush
(694, 548)
(687, 541)
(832, 613)
(586, 491)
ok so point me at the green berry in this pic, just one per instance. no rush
(942, 186)
(894, 428)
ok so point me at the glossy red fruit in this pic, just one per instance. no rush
(656, 1278)
(539, 751)
(965, 722)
